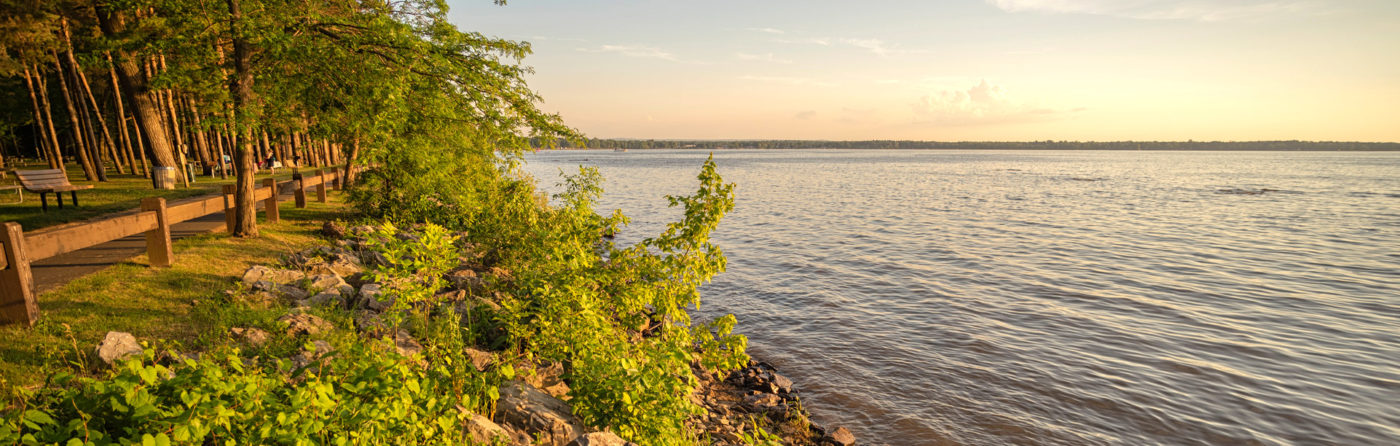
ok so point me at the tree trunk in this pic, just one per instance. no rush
(57, 151)
(144, 105)
(201, 139)
(78, 143)
(241, 89)
(44, 145)
(101, 120)
(80, 79)
(350, 157)
(127, 150)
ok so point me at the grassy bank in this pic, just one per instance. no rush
(155, 303)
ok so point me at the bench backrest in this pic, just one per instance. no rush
(42, 179)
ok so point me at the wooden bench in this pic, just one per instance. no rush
(49, 180)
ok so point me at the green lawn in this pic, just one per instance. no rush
(180, 304)
(120, 193)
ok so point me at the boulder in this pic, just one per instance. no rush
(465, 279)
(531, 410)
(764, 403)
(405, 345)
(481, 359)
(305, 358)
(332, 283)
(346, 264)
(482, 431)
(372, 298)
(370, 324)
(600, 439)
(252, 336)
(305, 324)
(290, 293)
(781, 383)
(333, 230)
(117, 345)
(373, 258)
(329, 298)
(840, 436)
(257, 273)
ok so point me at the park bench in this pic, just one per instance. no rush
(49, 180)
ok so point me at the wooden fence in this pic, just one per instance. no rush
(154, 218)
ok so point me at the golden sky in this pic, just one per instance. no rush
(962, 70)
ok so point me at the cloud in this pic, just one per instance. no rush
(799, 81)
(823, 41)
(876, 46)
(767, 30)
(984, 103)
(806, 114)
(761, 57)
(632, 51)
(1198, 10)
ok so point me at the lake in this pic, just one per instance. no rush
(1057, 298)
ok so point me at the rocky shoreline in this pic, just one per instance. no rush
(752, 405)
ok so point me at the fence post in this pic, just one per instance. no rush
(299, 193)
(321, 188)
(271, 204)
(158, 239)
(229, 217)
(16, 281)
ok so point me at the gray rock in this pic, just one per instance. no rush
(257, 273)
(405, 345)
(329, 298)
(781, 383)
(600, 439)
(252, 336)
(116, 346)
(481, 359)
(840, 436)
(290, 293)
(305, 324)
(370, 324)
(373, 258)
(373, 299)
(528, 409)
(765, 403)
(346, 264)
(482, 431)
(306, 358)
(465, 279)
(332, 282)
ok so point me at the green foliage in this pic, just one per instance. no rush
(416, 264)
(357, 396)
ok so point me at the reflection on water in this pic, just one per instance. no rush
(938, 297)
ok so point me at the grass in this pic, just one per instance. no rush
(183, 305)
(120, 193)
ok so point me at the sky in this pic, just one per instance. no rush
(960, 70)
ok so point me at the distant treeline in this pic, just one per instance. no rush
(643, 144)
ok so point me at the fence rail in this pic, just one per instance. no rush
(154, 218)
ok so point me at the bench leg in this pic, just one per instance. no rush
(75, 197)
(59, 196)
(44, 201)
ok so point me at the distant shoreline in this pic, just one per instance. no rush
(1203, 146)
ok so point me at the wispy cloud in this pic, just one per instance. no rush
(768, 57)
(823, 41)
(806, 114)
(768, 30)
(800, 81)
(981, 104)
(1199, 10)
(632, 51)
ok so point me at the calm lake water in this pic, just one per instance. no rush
(1068, 298)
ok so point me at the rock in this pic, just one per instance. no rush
(306, 358)
(305, 324)
(370, 297)
(346, 268)
(465, 279)
(257, 273)
(333, 230)
(405, 345)
(330, 298)
(765, 403)
(370, 324)
(482, 431)
(480, 358)
(548, 379)
(531, 410)
(332, 282)
(840, 436)
(600, 439)
(252, 336)
(361, 231)
(781, 383)
(290, 293)
(373, 258)
(259, 299)
(117, 345)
